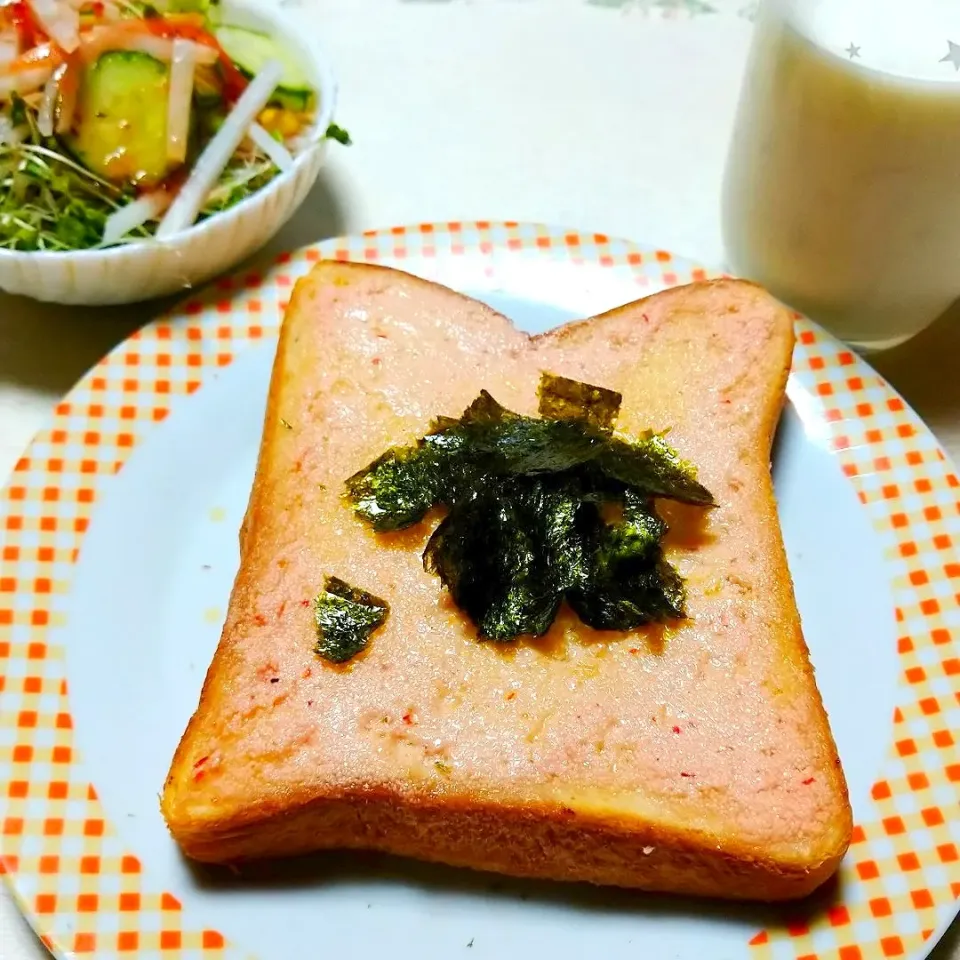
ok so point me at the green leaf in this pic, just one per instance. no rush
(335, 132)
(346, 617)
(18, 110)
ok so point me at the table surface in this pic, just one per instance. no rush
(604, 115)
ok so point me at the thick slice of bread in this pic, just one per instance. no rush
(693, 758)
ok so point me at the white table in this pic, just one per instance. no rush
(610, 116)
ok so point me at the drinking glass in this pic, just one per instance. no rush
(842, 185)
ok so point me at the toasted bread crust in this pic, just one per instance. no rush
(668, 839)
(537, 842)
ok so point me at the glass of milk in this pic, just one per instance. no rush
(842, 187)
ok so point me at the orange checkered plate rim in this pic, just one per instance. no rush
(80, 876)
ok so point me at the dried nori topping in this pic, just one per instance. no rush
(651, 466)
(346, 617)
(565, 399)
(526, 499)
(506, 552)
(628, 583)
(398, 488)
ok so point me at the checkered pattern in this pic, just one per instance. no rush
(903, 871)
(86, 894)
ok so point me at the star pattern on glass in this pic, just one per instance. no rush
(953, 54)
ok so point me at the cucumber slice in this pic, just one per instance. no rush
(250, 50)
(122, 110)
(299, 101)
(190, 6)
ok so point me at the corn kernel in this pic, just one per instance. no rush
(289, 123)
(268, 117)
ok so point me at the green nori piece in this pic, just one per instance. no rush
(506, 554)
(524, 528)
(346, 617)
(488, 559)
(628, 582)
(651, 465)
(525, 445)
(397, 489)
(562, 399)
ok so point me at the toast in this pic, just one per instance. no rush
(693, 758)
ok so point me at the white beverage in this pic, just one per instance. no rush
(842, 190)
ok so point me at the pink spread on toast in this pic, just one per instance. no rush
(676, 716)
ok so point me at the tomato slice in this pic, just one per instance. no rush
(29, 31)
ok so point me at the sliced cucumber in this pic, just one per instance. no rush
(122, 119)
(189, 6)
(299, 101)
(250, 50)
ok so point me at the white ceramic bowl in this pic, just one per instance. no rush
(134, 272)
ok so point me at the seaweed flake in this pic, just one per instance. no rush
(346, 617)
(528, 502)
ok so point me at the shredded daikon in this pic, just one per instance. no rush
(69, 87)
(179, 99)
(133, 215)
(25, 81)
(275, 150)
(47, 105)
(60, 21)
(11, 135)
(101, 40)
(218, 151)
(9, 49)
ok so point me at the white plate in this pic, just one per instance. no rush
(116, 581)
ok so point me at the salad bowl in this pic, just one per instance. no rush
(185, 245)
